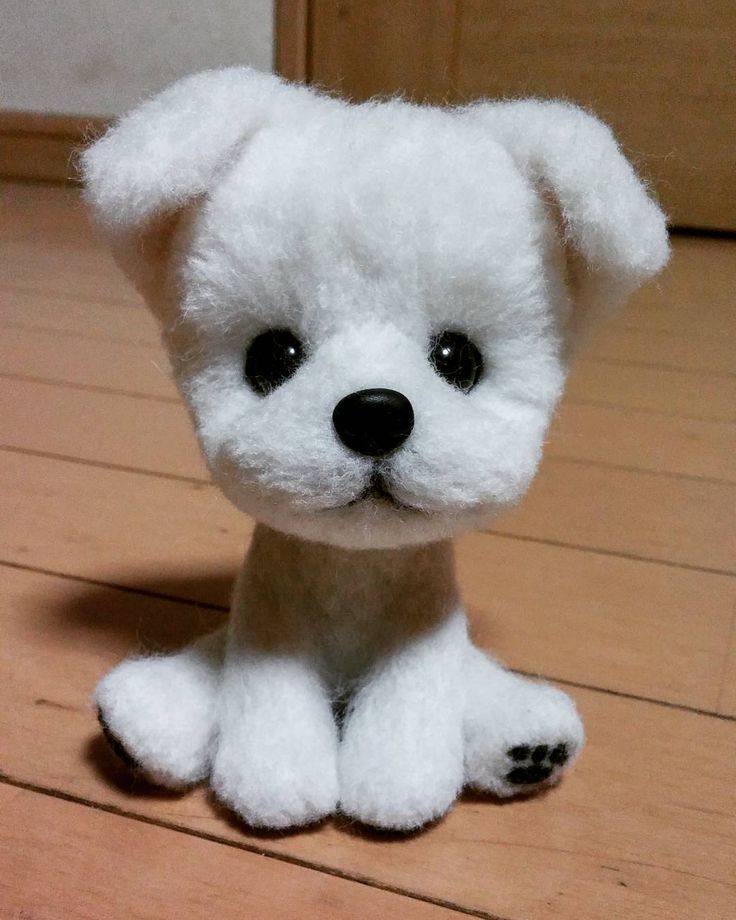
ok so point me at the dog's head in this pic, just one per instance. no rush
(368, 308)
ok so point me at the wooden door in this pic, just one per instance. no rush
(661, 72)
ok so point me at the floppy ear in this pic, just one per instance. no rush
(169, 150)
(614, 233)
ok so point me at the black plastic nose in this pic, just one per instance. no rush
(373, 422)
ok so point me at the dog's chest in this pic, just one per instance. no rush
(355, 625)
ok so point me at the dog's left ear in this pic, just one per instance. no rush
(168, 152)
(614, 233)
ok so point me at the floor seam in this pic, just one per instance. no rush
(617, 554)
(91, 387)
(192, 480)
(570, 400)
(249, 848)
(223, 608)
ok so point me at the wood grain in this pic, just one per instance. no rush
(63, 859)
(628, 512)
(75, 269)
(367, 49)
(292, 39)
(663, 80)
(50, 379)
(624, 345)
(727, 695)
(121, 431)
(668, 838)
(124, 366)
(69, 315)
(42, 146)
(604, 508)
(645, 440)
(643, 827)
(678, 392)
(184, 540)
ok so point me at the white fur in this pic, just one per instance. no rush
(165, 707)
(239, 203)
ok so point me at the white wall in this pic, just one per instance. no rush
(98, 57)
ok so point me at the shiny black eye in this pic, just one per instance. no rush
(272, 357)
(456, 359)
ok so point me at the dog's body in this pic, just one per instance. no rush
(369, 311)
(313, 629)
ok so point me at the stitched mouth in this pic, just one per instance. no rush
(378, 490)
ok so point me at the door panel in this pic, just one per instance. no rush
(661, 72)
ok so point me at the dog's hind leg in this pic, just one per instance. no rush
(520, 734)
(159, 712)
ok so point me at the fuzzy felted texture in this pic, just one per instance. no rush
(251, 211)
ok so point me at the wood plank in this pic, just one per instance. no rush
(48, 213)
(40, 146)
(702, 325)
(686, 393)
(51, 311)
(105, 526)
(625, 345)
(29, 309)
(657, 843)
(152, 435)
(75, 269)
(292, 39)
(75, 261)
(677, 122)
(68, 315)
(602, 434)
(574, 615)
(636, 513)
(694, 296)
(654, 389)
(660, 842)
(65, 859)
(85, 270)
(38, 156)
(595, 619)
(367, 49)
(79, 126)
(90, 362)
(125, 431)
(599, 507)
(727, 695)
(645, 440)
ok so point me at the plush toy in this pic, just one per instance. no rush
(369, 311)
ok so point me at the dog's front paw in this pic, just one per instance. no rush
(522, 740)
(399, 777)
(159, 714)
(397, 798)
(532, 764)
(275, 790)
(524, 766)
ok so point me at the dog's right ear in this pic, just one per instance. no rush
(168, 151)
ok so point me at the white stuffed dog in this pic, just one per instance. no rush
(369, 310)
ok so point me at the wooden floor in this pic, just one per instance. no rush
(615, 578)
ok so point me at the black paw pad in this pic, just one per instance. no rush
(526, 776)
(115, 744)
(536, 764)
